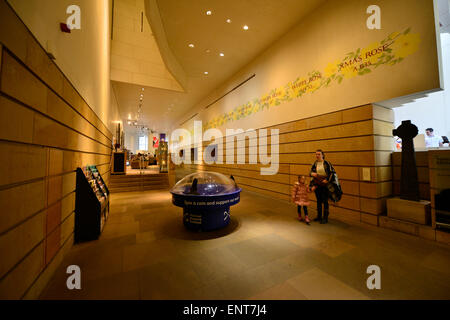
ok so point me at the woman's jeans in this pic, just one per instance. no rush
(322, 199)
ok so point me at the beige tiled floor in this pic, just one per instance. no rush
(316, 284)
(265, 253)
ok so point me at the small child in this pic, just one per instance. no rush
(300, 197)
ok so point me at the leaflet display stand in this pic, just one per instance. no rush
(91, 204)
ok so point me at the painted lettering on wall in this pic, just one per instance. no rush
(392, 50)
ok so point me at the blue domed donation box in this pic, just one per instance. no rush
(206, 198)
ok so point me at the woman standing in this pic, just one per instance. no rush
(322, 172)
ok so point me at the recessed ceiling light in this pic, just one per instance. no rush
(206, 72)
(208, 13)
(221, 54)
(191, 45)
(228, 20)
(143, 89)
(245, 27)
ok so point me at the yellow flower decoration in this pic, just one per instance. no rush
(406, 45)
(371, 53)
(290, 89)
(249, 108)
(332, 68)
(395, 48)
(313, 86)
(349, 72)
(241, 111)
(265, 99)
(393, 35)
(274, 96)
(256, 106)
(299, 85)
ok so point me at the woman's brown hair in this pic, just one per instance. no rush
(323, 153)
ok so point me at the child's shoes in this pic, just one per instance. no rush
(307, 220)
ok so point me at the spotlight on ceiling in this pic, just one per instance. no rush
(208, 13)
(206, 72)
(228, 20)
(191, 45)
(245, 27)
(221, 54)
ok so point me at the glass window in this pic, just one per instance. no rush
(143, 143)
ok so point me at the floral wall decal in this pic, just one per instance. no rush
(388, 52)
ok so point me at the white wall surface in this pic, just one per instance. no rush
(434, 110)
(82, 55)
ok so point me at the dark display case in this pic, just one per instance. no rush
(163, 153)
(206, 198)
(91, 204)
(442, 207)
(119, 163)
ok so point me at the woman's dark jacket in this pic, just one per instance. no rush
(329, 170)
(333, 186)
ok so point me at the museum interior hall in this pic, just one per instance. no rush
(224, 150)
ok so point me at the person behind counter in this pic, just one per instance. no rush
(432, 141)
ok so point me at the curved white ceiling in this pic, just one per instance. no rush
(185, 22)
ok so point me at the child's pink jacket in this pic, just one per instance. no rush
(300, 194)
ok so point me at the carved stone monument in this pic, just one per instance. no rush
(408, 207)
(409, 184)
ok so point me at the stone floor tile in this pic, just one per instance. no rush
(146, 253)
(282, 291)
(333, 247)
(315, 284)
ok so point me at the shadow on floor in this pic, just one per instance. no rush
(174, 228)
